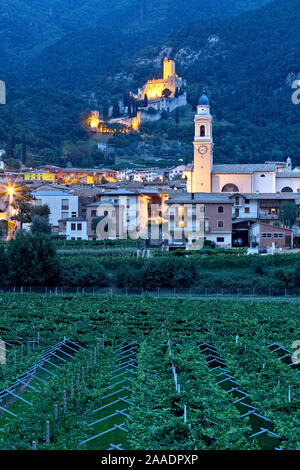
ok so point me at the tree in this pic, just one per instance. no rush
(22, 204)
(288, 213)
(40, 225)
(152, 110)
(10, 151)
(24, 149)
(129, 109)
(116, 110)
(82, 271)
(31, 260)
(166, 93)
(41, 211)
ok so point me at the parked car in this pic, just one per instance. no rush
(262, 250)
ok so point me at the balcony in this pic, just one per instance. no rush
(264, 216)
(245, 215)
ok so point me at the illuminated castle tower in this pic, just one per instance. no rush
(199, 179)
(154, 88)
(169, 68)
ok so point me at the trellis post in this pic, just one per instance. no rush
(65, 400)
(47, 433)
(72, 391)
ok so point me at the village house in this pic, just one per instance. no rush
(62, 205)
(262, 234)
(74, 228)
(185, 214)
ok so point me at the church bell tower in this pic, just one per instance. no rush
(203, 148)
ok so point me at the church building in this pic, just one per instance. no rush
(206, 177)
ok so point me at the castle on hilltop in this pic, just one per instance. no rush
(162, 94)
(152, 100)
(155, 88)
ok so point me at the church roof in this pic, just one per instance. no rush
(203, 100)
(267, 196)
(288, 174)
(242, 168)
(202, 198)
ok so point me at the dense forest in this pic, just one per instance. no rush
(71, 57)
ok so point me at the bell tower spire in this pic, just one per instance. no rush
(203, 147)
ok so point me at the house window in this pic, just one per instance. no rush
(74, 214)
(64, 215)
(220, 223)
(278, 235)
(266, 235)
(65, 204)
(247, 201)
(79, 226)
(247, 210)
(220, 239)
(237, 201)
(220, 209)
(73, 226)
(94, 213)
(262, 176)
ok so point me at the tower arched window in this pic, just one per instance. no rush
(230, 188)
(202, 131)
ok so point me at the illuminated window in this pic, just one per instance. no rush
(181, 210)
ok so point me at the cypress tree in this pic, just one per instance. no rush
(24, 149)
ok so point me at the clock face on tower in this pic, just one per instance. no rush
(202, 149)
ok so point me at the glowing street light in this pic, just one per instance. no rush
(10, 192)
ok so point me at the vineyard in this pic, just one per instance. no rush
(104, 372)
